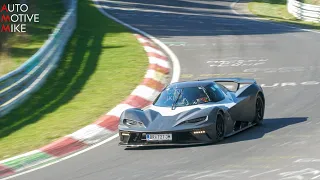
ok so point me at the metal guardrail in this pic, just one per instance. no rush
(19, 84)
(305, 12)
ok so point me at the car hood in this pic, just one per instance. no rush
(164, 118)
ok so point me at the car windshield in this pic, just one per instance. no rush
(182, 97)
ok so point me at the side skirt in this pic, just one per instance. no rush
(241, 129)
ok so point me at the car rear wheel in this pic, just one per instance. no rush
(259, 110)
(220, 127)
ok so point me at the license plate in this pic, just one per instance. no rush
(159, 137)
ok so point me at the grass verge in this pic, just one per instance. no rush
(276, 10)
(16, 48)
(102, 64)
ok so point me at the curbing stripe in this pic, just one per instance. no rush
(152, 54)
(159, 62)
(4, 171)
(153, 84)
(119, 109)
(155, 75)
(137, 101)
(158, 68)
(27, 161)
(145, 92)
(153, 50)
(143, 40)
(150, 45)
(90, 134)
(63, 146)
(108, 122)
(19, 156)
(139, 36)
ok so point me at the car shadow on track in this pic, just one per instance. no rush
(269, 125)
(256, 132)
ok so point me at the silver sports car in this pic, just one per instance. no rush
(194, 112)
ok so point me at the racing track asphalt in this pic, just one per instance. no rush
(206, 34)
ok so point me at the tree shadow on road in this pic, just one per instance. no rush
(183, 18)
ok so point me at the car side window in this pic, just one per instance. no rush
(223, 88)
(215, 93)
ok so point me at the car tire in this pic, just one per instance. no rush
(220, 127)
(259, 110)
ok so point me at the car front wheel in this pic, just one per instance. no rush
(259, 113)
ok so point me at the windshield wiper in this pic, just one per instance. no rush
(175, 102)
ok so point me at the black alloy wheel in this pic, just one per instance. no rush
(259, 110)
(220, 127)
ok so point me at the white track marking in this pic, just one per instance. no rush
(194, 174)
(315, 177)
(175, 78)
(224, 174)
(264, 173)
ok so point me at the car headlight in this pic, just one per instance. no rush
(196, 120)
(130, 122)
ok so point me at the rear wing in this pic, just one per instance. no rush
(239, 81)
